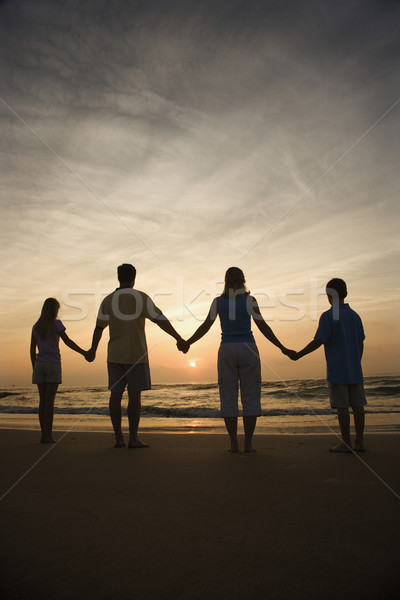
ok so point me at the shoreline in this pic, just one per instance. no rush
(188, 426)
(191, 432)
(186, 519)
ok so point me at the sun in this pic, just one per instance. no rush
(192, 363)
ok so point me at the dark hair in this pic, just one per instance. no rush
(336, 287)
(44, 326)
(126, 273)
(234, 281)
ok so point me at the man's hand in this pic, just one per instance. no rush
(292, 354)
(183, 346)
(90, 355)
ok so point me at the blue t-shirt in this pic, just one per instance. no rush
(341, 332)
(235, 317)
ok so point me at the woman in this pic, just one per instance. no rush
(238, 357)
(46, 365)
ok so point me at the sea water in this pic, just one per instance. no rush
(291, 406)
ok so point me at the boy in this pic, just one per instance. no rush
(341, 332)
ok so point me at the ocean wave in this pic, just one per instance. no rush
(389, 380)
(204, 386)
(288, 393)
(181, 413)
(7, 394)
(29, 410)
(185, 386)
(383, 390)
(81, 390)
(201, 401)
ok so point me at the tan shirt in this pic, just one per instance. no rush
(125, 311)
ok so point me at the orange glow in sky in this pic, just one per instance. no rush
(269, 144)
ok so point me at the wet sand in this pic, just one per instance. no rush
(186, 519)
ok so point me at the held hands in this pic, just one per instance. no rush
(90, 355)
(182, 345)
(292, 354)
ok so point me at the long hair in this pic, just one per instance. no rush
(44, 326)
(235, 283)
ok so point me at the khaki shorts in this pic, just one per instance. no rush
(46, 372)
(136, 377)
(346, 395)
(239, 362)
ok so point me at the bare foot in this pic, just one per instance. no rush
(137, 444)
(359, 446)
(341, 449)
(234, 447)
(249, 448)
(119, 443)
(50, 440)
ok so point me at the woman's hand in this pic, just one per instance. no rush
(183, 345)
(90, 355)
(292, 354)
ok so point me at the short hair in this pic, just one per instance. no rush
(126, 272)
(337, 287)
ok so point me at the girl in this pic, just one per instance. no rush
(47, 363)
(238, 358)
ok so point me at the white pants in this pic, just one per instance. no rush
(239, 362)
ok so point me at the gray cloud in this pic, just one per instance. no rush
(199, 123)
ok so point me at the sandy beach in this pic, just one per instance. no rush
(186, 519)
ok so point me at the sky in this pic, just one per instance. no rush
(189, 136)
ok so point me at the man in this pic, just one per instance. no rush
(125, 311)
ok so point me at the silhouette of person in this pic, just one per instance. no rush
(46, 334)
(238, 357)
(125, 311)
(341, 332)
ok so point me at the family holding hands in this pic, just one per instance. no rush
(125, 310)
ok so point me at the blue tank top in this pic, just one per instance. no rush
(235, 319)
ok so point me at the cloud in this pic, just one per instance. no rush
(188, 136)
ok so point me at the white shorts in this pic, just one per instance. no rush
(345, 395)
(239, 362)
